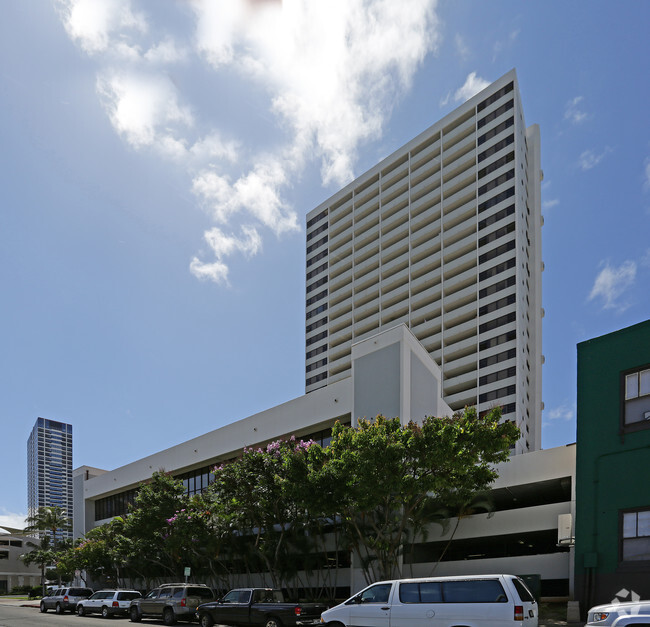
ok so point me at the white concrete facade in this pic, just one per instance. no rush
(13, 571)
(444, 235)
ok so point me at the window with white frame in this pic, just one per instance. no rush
(636, 536)
(637, 397)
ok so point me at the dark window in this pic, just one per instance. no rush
(498, 339)
(376, 594)
(424, 592)
(501, 161)
(494, 270)
(496, 130)
(495, 96)
(497, 304)
(497, 287)
(317, 244)
(315, 325)
(316, 338)
(315, 312)
(499, 393)
(318, 364)
(315, 271)
(315, 299)
(317, 218)
(317, 351)
(499, 357)
(317, 378)
(315, 258)
(500, 232)
(311, 287)
(317, 231)
(492, 150)
(497, 376)
(495, 200)
(494, 183)
(635, 535)
(495, 252)
(474, 591)
(497, 322)
(496, 113)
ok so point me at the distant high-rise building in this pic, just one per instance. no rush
(443, 235)
(49, 468)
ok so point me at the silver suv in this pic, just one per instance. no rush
(62, 599)
(171, 602)
(108, 603)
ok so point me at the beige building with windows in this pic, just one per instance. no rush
(444, 235)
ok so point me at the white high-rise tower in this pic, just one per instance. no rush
(443, 235)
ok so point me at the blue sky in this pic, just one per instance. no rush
(158, 160)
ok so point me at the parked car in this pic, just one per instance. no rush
(488, 600)
(108, 602)
(171, 602)
(64, 599)
(620, 614)
(247, 607)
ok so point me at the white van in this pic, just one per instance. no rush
(471, 601)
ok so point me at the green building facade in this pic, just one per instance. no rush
(612, 527)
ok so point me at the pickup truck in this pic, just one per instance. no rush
(258, 607)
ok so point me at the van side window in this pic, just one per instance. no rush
(376, 594)
(474, 591)
(424, 592)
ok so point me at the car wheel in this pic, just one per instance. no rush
(80, 610)
(134, 615)
(273, 622)
(42, 607)
(105, 612)
(168, 616)
(58, 609)
(206, 620)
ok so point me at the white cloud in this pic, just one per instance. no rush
(332, 73)
(92, 24)
(223, 245)
(566, 411)
(573, 111)
(549, 204)
(612, 282)
(144, 109)
(589, 159)
(473, 84)
(12, 519)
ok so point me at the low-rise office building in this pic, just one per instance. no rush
(13, 571)
(394, 375)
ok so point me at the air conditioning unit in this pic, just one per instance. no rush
(565, 530)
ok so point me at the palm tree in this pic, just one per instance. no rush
(50, 519)
(42, 555)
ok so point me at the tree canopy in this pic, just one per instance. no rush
(297, 512)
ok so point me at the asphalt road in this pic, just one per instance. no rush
(15, 615)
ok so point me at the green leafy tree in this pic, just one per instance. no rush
(48, 519)
(383, 476)
(145, 528)
(42, 555)
(257, 495)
